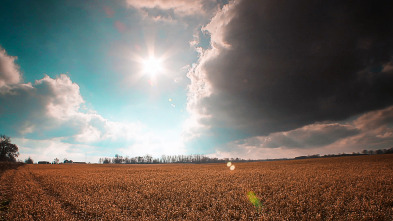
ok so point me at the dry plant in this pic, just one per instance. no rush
(343, 188)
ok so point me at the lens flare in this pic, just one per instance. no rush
(254, 200)
(232, 167)
(229, 164)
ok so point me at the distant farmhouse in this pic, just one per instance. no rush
(43, 162)
(80, 162)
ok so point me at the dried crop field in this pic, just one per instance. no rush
(342, 188)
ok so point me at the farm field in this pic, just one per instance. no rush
(342, 188)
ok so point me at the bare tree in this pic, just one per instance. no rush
(56, 161)
(148, 159)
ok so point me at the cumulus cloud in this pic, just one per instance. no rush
(61, 95)
(182, 7)
(171, 10)
(372, 130)
(27, 108)
(277, 66)
(53, 108)
(9, 71)
(313, 135)
(48, 119)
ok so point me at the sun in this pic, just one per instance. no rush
(152, 66)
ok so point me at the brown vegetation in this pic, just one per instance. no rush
(345, 188)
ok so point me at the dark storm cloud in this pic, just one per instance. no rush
(279, 65)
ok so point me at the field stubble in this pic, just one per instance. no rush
(350, 188)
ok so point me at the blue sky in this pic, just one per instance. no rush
(235, 79)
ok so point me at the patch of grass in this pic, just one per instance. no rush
(254, 200)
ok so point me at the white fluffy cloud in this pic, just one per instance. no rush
(9, 71)
(49, 119)
(53, 112)
(56, 105)
(179, 7)
(62, 96)
(171, 11)
(52, 107)
(182, 7)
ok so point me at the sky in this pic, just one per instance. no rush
(252, 79)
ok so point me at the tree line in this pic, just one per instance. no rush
(364, 152)
(198, 158)
(9, 153)
(164, 159)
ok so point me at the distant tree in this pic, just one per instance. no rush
(379, 151)
(148, 159)
(29, 161)
(8, 151)
(67, 161)
(56, 161)
(118, 159)
(106, 161)
(127, 160)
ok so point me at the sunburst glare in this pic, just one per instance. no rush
(152, 66)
